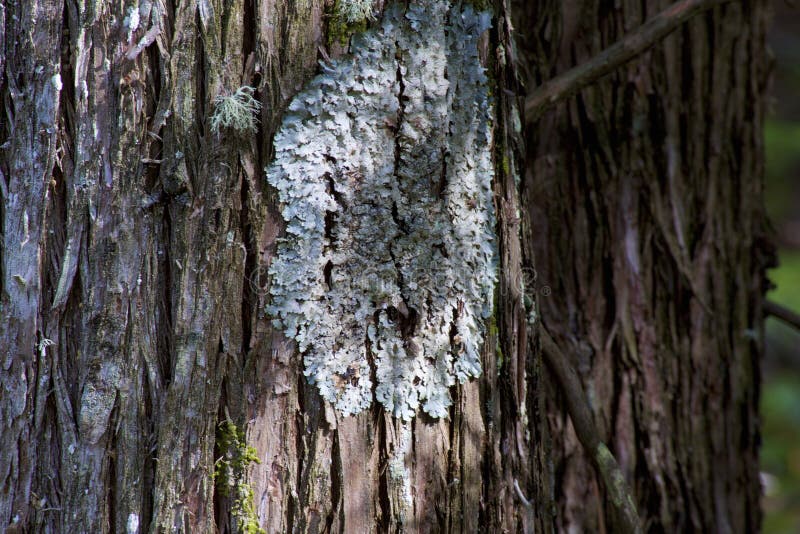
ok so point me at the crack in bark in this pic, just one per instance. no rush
(405, 319)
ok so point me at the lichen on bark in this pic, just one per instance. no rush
(383, 167)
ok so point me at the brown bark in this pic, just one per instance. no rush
(646, 216)
(133, 280)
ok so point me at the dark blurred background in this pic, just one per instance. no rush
(780, 402)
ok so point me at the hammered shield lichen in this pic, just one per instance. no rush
(383, 169)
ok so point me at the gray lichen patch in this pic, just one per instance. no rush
(383, 168)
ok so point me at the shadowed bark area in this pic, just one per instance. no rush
(136, 246)
(644, 195)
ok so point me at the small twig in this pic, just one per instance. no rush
(618, 491)
(780, 312)
(619, 53)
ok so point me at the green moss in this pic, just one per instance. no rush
(230, 473)
(494, 333)
(341, 27)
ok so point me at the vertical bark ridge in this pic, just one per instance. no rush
(29, 84)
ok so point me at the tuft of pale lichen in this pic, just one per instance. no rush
(354, 11)
(236, 111)
(383, 168)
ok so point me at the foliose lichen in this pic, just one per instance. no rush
(383, 168)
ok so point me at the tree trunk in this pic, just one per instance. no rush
(142, 376)
(647, 222)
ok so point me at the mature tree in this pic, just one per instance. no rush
(144, 386)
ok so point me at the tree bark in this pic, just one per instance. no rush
(646, 217)
(139, 364)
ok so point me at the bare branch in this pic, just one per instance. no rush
(780, 312)
(630, 46)
(618, 490)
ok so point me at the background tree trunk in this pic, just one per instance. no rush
(134, 275)
(647, 222)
